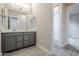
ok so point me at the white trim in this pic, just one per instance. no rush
(44, 49)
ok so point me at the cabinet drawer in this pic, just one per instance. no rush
(13, 34)
(27, 33)
(32, 33)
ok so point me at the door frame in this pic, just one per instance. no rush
(68, 7)
(59, 34)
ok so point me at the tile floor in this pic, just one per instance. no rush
(36, 51)
(30, 51)
(66, 51)
(72, 49)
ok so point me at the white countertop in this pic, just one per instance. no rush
(18, 31)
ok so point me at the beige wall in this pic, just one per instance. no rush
(44, 24)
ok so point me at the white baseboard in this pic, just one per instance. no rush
(44, 49)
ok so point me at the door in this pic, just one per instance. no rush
(73, 25)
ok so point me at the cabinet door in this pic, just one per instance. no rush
(19, 44)
(19, 41)
(32, 38)
(26, 40)
(9, 43)
(26, 37)
(2, 42)
(26, 43)
(19, 38)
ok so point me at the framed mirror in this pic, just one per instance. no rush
(13, 22)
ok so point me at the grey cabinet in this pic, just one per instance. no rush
(19, 42)
(32, 38)
(29, 38)
(19, 38)
(16, 40)
(26, 40)
(19, 45)
(9, 43)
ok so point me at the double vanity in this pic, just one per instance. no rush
(18, 28)
(16, 40)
